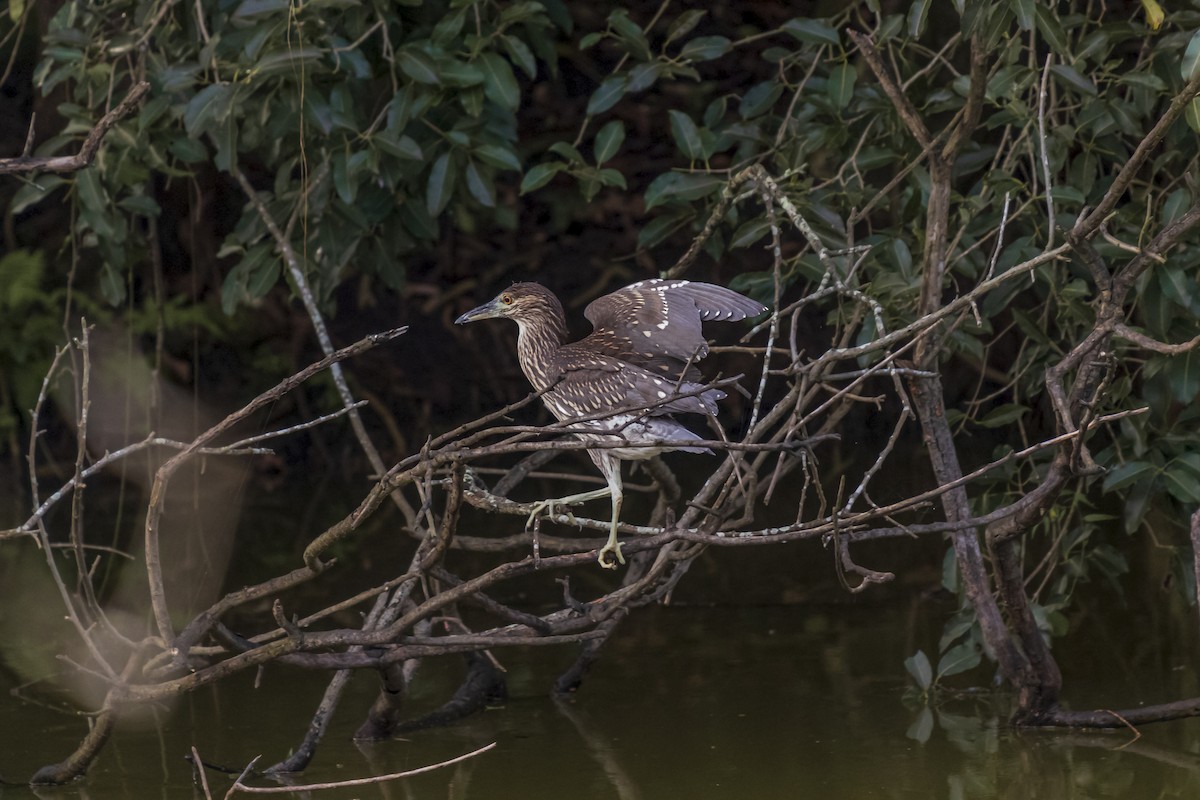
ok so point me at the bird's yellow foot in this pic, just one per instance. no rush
(613, 548)
(552, 508)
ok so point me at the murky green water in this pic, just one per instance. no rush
(746, 702)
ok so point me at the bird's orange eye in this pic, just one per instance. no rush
(506, 299)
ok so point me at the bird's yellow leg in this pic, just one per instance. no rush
(612, 545)
(552, 507)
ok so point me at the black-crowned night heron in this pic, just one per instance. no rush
(638, 362)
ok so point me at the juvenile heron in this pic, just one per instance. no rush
(638, 362)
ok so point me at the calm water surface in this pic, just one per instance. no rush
(774, 702)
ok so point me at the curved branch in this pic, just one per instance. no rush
(1127, 333)
(87, 151)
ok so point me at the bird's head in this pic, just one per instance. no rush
(520, 302)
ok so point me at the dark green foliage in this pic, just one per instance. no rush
(369, 108)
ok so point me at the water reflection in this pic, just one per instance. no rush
(774, 702)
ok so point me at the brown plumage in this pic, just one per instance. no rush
(640, 355)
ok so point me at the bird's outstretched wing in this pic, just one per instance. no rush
(592, 383)
(656, 323)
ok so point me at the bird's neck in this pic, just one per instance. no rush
(537, 343)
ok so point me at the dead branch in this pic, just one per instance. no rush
(238, 786)
(157, 491)
(283, 243)
(91, 142)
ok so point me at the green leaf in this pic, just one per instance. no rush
(520, 54)
(918, 666)
(343, 182)
(568, 152)
(403, 107)
(1004, 415)
(607, 94)
(1051, 29)
(759, 99)
(683, 25)
(499, 83)
(419, 66)
(611, 177)
(440, 185)
(418, 222)
(1179, 284)
(317, 109)
(540, 175)
(589, 183)
(715, 113)
(517, 12)
(459, 74)
(902, 256)
(472, 101)
(1192, 114)
(1176, 204)
(760, 285)
(750, 232)
(254, 8)
(608, 141)
(1067, 194)
(479, 184)
(233, 290)
(890, 27)
(261, 267)
(1125, 474)
(1182, 481)
(189, 151)
(959, 658)
(264, 279)
(1191, 57)
(225, 138)
(1024, 11)
(1183, 374)
(705, 48)
(448, 28)
(812, 31)
(840, 86)
(499, 156)
(918, 13)
(682, 186)
(630, 34)
(111, 285)
(140, 204)
(643, 76)
(401, 147)
(172, 78)
(208, 106)
(34, 192)
(287, 60)
(1071, 77)
(90, 189)
(659, 228)
(687, 135)
(950, 579)
(1137, 501)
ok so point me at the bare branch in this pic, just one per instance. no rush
(91, 143)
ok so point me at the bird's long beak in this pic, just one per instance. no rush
(485, 311)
